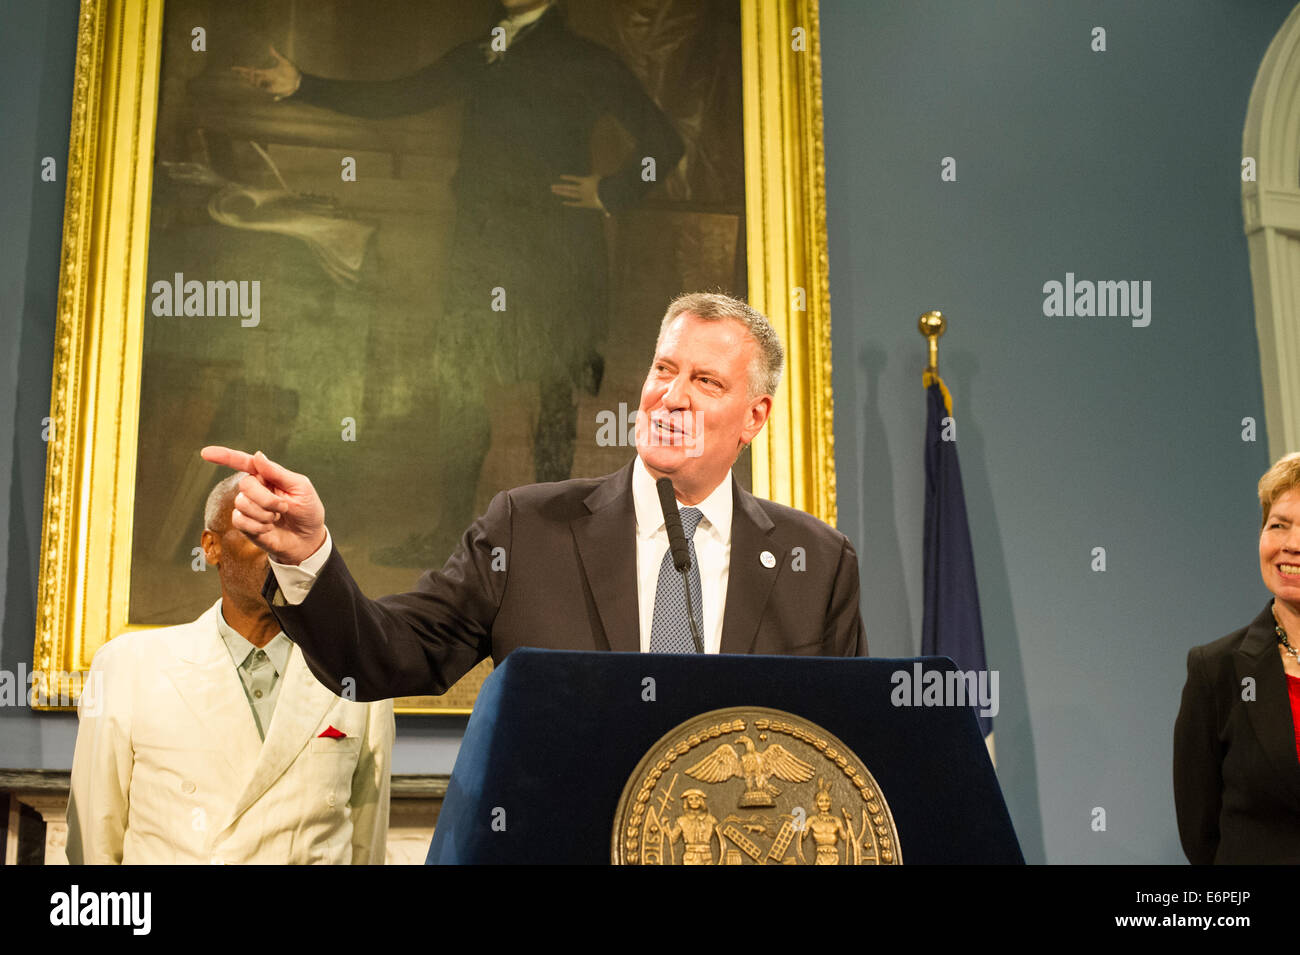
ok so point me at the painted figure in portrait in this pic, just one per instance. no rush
(526, 298)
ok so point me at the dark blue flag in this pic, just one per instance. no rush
(951, 625)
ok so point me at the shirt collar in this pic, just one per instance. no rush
(239, 647)
(518, 21)
(650, 516)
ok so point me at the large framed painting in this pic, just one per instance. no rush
(415, 250)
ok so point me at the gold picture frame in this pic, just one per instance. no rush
(85, 558)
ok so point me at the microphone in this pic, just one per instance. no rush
(673, 520)
(680, 550)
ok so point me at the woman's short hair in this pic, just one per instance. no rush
(765, 371)
(1281, 477)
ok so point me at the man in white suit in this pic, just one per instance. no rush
(211, 742)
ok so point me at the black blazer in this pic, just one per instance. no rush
(1236, 772)
(554, 565)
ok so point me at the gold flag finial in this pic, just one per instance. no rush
(932, 325)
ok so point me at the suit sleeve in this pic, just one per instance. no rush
(1198, 765)
(845, 634)
(441, 81)
(101, 764)
(618, 92)
(370, 787)
(409, 644)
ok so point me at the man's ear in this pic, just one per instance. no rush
(211, 545)
(759, 409)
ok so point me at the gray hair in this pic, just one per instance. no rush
(212, 510)
(765, 370)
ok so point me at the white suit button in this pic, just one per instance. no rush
(331, 800)
(188, 787)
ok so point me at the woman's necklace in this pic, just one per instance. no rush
(1286, 644)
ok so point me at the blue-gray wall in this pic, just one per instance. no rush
(1073, 433)
(37, 43)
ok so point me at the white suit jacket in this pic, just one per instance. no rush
(169, 768)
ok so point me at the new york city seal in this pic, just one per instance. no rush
(752, 786)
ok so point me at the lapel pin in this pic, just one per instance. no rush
(767, 558)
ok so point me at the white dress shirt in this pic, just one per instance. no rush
(295, 580)
(512, 26)
(712, 549)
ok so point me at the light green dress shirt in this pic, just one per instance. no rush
(259, 669)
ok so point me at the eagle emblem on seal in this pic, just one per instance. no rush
(756, 767)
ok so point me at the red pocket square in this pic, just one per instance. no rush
(332, 733)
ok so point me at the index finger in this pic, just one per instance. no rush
(239, 460)
(277, 474)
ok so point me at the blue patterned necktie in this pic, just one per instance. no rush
(670, 630)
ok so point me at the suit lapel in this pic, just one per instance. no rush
(749, 581)
(606, 540)
(299, 708)
(1270, 711)
(207, 683)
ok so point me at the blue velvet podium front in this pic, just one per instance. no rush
(556, 734)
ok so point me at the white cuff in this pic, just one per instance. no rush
(295, 580)
(297, 84)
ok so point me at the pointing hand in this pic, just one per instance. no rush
(277, 508)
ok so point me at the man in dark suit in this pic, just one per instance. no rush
(584, 564)
(528, 222)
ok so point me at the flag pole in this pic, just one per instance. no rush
(952, 616)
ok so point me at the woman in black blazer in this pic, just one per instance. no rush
(1236, 768)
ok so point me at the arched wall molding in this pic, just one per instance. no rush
(1271, 214)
